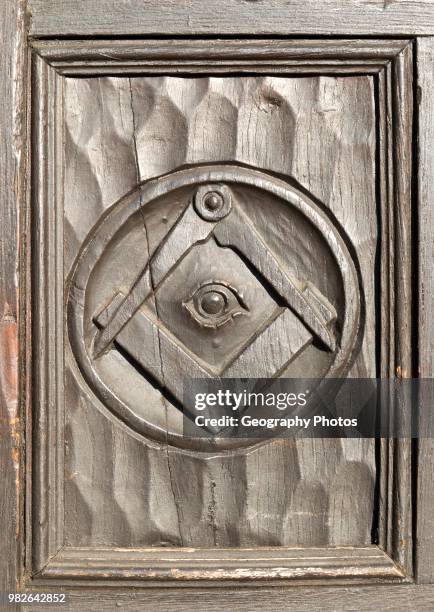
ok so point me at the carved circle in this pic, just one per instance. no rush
(213, 201)
(212, 303)
(214, 204)
(289, 222)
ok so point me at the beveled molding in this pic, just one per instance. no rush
(269, 56)
(390, 63)
(169, 566)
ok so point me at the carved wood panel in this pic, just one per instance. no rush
(311, 136)
(342, 129)
(291, 160)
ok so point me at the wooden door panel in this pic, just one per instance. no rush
(308, 148)
(315, 141)
(124, 491)
(119, 161)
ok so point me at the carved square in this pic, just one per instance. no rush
(205, 263)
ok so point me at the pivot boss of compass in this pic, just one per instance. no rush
(214, 203)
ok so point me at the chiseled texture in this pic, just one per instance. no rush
(320, 130)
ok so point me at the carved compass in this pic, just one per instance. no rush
(215, 271)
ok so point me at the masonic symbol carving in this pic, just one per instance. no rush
(213, 298)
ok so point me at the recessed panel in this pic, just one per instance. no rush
(201, 303)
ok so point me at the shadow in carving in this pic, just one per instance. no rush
(214, 298)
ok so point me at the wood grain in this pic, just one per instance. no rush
(388, 598)
(278, 494)
(12, 288)
(195, 17)
(425, 494)
(88, 297)
(156, 510)
(211, 566)
(47, 320)
(269, 56)
(402, 291)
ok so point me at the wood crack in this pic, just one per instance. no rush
(151, 276)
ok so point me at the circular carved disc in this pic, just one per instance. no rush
(162, 291)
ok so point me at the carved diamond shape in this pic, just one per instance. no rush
(252, 305)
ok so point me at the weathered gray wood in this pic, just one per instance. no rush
(425, 497)
(293, 338)
(252, 247)
(155, 510)
(212, 566)
(13, 126)
(139, 126)
(401, 453)
(387, 598)
(270, 56)
(47, 320)
(176, 283)
(65, 54)
(187, 229)
(341, 599)
(172, 135)
(195, 17)
(395, 167)
(142, 332)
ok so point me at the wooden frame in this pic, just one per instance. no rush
(391, 65)
(13, 263)
(405, 18)
(195, 17)
(425, 478)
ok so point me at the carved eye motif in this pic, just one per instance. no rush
(215, 304)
